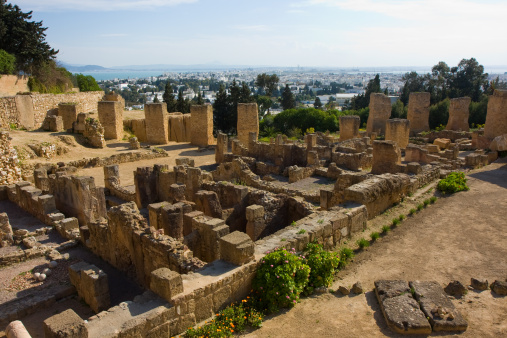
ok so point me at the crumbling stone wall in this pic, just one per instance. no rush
(496, 118)
(386, 157)
(91, 284)
(157, 125)
(398, 130)
(458, 114)
(349, 127)
(68, 111)
(112, 182)
(30, 110)
(138, 127)
(10, 171)
(419, 112)
(180, 127)
(94, 133)
(111, 118)
(380, 111)
(201, 122)
(248, 121)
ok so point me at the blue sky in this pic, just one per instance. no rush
(324, 33)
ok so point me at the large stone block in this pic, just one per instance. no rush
(349, 127)
(496, 118)
(386, 157)
(66, 324)
(157, 124)
(458, 114)
(202, 125)
(237, 248)
(111, 118)
(68, 112)
(419, 112)
(380, 111)
(166, 283)
(248, 121)
(398, 130)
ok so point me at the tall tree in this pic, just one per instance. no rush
(220, 111)
(363, 100)
(156, 100)
(168, 98)
(288, 101)
(181, 104)
(469, 80)
(199, 100)
(267, 82)
(317, 104)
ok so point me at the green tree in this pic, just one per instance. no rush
(181, 105)
(220, 111)
(439, 114)
(7, 62)
(87, 83)
(156, 100)
(440, 82)
(469, 80)
(264, 103)
(398, 110)
(267, 82)
(317, 104)
(168, 98)
(199, 99)
(413, 83)
(23, 38)
(288, 101)
(363, 100)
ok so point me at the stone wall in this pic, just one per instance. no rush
(29, 111)
(157, 125)
(201, 129)
(496, 118)
(10, 85)
(349, 127)
(111, 118)
(10, 172)
(180, 127)
(248, 121)
(386, 157)
(380, 111)
(458, 114)
(398, 130)
(419, 112)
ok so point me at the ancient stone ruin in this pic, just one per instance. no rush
(380, 111)
(458, 114)
(419, 112)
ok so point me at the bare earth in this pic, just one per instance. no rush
(460, 237)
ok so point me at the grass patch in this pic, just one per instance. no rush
(363, 243)
(420, 206)
(433, 199)
(396, 221)
(302, 231)
(374, 236)
(386, 229)
(426, 202)
(412, 211)
(401, 217)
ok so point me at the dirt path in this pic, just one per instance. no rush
(460, 237)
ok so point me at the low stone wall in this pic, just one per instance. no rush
(30, 110)
(10, 171)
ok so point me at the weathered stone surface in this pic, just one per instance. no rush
(418, 112)
(479, 284)
(248, 121)
(65, 325)
(458, 114)
(237, 248)
(94, 133)
(442, 314)
(455, 288)
(499, 143)
(6, 233)
(357, 288)
(16, 329)
(401, 311)
(386, 157)
(208, 203)
(30, 242)
(349, 127)
(442, 143)
(496, 118)
(134, 143)
(91, 284)
(111, 118)
(201, 125)
(68, 112)
(499, 287)
(157, 125)
(380, 111)
(344, 290)
(398, 130)
(166, 283)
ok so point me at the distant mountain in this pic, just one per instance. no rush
(87, 68)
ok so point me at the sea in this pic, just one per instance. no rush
(131, 74)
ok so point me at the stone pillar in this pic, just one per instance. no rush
(6, 233)
(386, 157)
(349, 127)
(380, 111)
(311, 141)
(237, 248)
(208, 202)
(55, 123)
(248, 121)
(16, 329)
(496, 118)
(419, 112)
(111, 118)
(458, 114)
(255, 221)
(111, 176)
(201, 125)
(145, 180)
(68, 112)
(166, 283)
(398, 130)
(221, 148)
(157, 124)
(91, 284)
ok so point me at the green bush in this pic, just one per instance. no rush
(280, 279)
(322, 266)
(454, 182)
(412, 211)
(374, 236)
(345, 255)
(426, 202)
(420, 206)
(401, 217)
(87, 83)
(7, 62)
(363, 243)
(395, 221)
(433, 199)
(386, 229)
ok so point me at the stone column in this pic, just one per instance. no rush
(398, 130)
(111, 118)
(458, 114)
(68, 112)
(419, 112)
(248, 121)
(496, 118)
(201, 125)
(349, 127)
(380, 111)
(157, 124)
(221, 148)
(386, 157)
(255, 221)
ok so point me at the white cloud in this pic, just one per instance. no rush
(97, 5)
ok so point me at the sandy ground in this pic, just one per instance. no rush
(460, 237)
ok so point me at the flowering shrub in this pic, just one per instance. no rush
(233, 318)
(281, 277)
(454, 182)
(322, 266)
